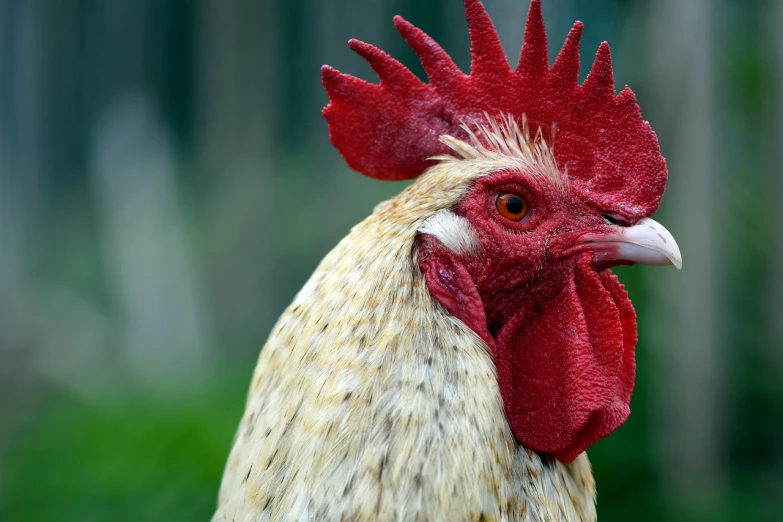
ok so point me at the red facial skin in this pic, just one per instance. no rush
(562, 330)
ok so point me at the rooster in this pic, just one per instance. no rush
(454, 356)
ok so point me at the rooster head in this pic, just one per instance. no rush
(555, 183)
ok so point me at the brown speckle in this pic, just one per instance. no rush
(349, 486)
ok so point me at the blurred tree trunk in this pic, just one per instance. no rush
(9, 237)
(22, 175)
(237, 127)
(236, 87)
(153, 278)
(774, 295)
(689, 347)
(22, 178)
(10, 226)
(21, 140)
(772, 356)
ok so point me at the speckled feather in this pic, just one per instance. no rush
(371, 402)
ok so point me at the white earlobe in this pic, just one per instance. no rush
(453, 231)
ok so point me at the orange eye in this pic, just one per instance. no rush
(512, 206)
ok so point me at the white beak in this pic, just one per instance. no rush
(647, 242)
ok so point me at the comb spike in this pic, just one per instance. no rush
(534, 57)
(600, 80)
(392, 74)
(487, 57)
(627, 97)
(343, 87)
(565, 71)
(438, 65)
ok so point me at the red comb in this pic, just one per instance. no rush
(387, 131)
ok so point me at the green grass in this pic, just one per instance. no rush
(123, 458)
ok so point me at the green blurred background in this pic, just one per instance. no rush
(167, 185)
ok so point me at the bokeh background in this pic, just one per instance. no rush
(167, 185)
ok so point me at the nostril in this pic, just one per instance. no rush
(614, 220)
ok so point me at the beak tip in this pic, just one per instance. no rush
(675, 256)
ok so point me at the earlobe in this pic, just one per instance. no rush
(452, 286)
(452, 231)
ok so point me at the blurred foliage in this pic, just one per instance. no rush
(130, 456)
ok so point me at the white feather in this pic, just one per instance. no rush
(455, 232)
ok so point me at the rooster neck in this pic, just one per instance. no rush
(370, 402)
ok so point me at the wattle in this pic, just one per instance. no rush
(566, 364)
(566, 367)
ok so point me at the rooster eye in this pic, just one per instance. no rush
(512, 206)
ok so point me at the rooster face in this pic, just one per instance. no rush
(532, 230)
(523, 260)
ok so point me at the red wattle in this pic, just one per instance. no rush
(604, 422)
(559, 362)
(566, 365)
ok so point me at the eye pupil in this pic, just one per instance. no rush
(511, 206)
(514, 205)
